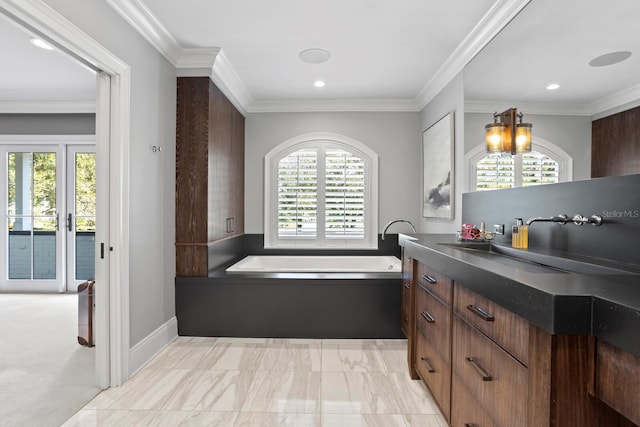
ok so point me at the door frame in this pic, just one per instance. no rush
(112, 163)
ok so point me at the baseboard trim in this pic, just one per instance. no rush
(141, 353)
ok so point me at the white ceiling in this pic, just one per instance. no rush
(553, 41)
(34, 80)
(384, 55)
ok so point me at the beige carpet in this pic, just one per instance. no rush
(45, 375)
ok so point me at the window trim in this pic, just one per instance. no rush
(317, 140)
(541, 145)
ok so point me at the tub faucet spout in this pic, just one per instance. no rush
(390, 223)
(562, 219)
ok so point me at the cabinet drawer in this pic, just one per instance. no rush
(504, 327)
(618, 380)
(489, 387)
(439, 285)
(434, 371)
(433, 320)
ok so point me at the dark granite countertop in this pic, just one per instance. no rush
(604, 302)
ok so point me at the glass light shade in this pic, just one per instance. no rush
(523, 138)
(495, 137)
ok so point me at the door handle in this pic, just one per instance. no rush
(70, 222)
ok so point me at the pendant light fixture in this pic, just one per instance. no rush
(507, 133)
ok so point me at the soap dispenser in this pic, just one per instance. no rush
(520, 235)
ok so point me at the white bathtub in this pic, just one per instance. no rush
(316, 264)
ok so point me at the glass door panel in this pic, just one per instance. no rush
(81, 214)
(32, 240)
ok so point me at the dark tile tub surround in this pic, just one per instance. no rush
(226, 252)
(616, 199)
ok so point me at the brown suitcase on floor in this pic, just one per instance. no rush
(85, 313)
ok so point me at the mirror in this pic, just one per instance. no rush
(555, 42)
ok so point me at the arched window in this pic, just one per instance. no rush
(545, 164)
(321, 192)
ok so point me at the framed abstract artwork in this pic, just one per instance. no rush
(438, 169)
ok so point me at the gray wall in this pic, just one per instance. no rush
(47, 124)
(152, 175)
(393, 136)
(571, 133)
(451, 98)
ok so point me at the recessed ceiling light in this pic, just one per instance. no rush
(319, 83)
(610, 58)
(314, 55)
(553, 86)
(40, 43)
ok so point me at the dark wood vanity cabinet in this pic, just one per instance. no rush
(433, 346)
(617, 380)
(405, 293)
(487, 366)
(430, 337)
(209, 172)
(489, 383)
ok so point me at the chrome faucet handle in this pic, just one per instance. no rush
(595, 219)
(579, 219)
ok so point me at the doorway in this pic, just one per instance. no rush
(112, 179)
(50, 222)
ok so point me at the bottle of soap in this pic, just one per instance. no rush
(520, 235)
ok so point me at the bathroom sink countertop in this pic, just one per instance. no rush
(599, 301)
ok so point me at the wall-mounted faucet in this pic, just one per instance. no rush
(393, 221)
(561, 219)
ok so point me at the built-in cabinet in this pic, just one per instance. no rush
(433, 293)
(405, 293)
(617, 379)
(487, 366)
(209, 172)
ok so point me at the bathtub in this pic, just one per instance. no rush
(294, 297)
(316, 264)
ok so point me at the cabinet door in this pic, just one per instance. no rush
(618, 380)
(489, 387)
(405, 289)
(433, 347)
(236, 178)
(219, 164)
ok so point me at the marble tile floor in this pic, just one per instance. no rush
(238, 382)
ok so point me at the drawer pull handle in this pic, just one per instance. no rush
(429, 279)
(484, 374)
(429, 367)
(469, 425)
(429, 318)
(408, 286)
(481, 313)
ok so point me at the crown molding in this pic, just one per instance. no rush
(229, 82)
(490, 107)
(617, 102)
(47, 107)
(138, 15)
(334, 105)
(500, 14)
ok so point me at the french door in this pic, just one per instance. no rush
(48, 243)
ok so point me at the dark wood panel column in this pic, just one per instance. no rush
(209, 172)
(192, 135)
(615, 144)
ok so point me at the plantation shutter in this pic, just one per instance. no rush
(344, 195)
(539, 169)
(525, 170)
(495, 172)
(298, 194)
